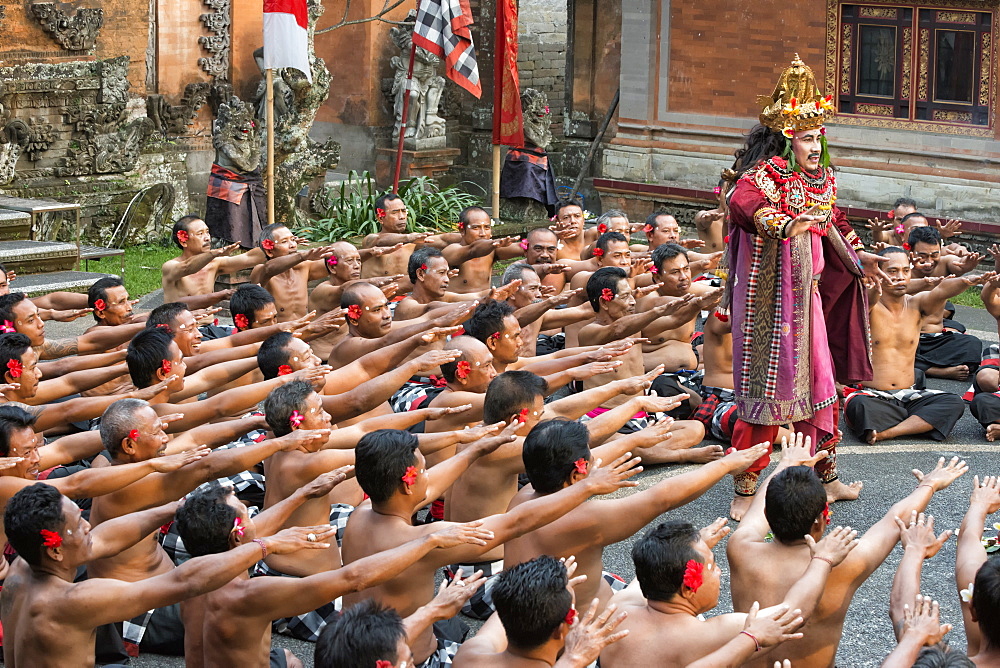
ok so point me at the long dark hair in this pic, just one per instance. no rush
(762, 144)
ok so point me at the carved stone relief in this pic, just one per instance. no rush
(110, 143)
(218, 22)
(537, 117)
(74, 33)
(173, 120)
(40, 137)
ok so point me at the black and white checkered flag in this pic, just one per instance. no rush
(443, 28)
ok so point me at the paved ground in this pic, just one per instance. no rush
(885, 470)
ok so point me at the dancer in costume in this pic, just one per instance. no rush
(794, 289)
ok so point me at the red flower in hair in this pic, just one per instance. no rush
(602, 228)
(166, 366)
(382, 663)
(607, 295)
(522, 415)
(380, 213)
(8, 327)
(267, 244)
(495, 336)
(570, 616)
(241, 321)
(100, 304)
(296, 418)
(906, 246)
(182, 236)
(598, 252)
(523, 243)
(165, 529)
(14, 365)
(899, 229)
(332, 260)
(654, 270)
(891, 214)
(826, 513)
(461, 225)
(725, 239)
(410, 476)
(134, 434)
(647, 228)
(694, 574)
(50, 538)
(284, 370)
(463, 369)
(423, 267)
(354, 312)
(721, 317)
(580, 466)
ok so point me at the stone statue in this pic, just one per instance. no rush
(237, 204)
(297, 158)
(527, 181)
(537, 118)
(423, 121)
(14, 137)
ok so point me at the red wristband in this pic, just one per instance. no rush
(752, 637)
(825, 559)
(263, 548)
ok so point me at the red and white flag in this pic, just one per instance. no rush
(286, 35)
(443, 28)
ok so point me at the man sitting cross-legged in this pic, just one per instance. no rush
(794, 507)
(680, 581)
(391, 471)
(557, 456)
(537, 314)
(287, 271)
(475, 254)
(892, 404)
(50, 620)
(221, 623)
(978, 578)
(536, 621)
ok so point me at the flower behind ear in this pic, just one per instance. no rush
(694, 574)
(50, 538)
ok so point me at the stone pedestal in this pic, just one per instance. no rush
(425, 162)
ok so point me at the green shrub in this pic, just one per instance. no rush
(348, 210)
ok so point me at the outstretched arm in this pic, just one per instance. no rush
(970, 554)
(919, 543)
(72, 383)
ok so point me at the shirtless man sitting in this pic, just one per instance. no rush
(390, 211)
(528, 302)
(985, 406)
(212, 520)
(51, 620)
(390, 469)
(478, 250)
(945, 351)
(112, 308)
(670, 338)
(193, 273)
(430, 276)
(287, 271)
(541, 246)
(894, 402)
(557, 456)
(536, 622)
(569, 223)
(977, 577)
(892, 232)
(613, 299)
(762, 570)
(680, 583)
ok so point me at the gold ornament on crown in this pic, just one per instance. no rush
(796, 103)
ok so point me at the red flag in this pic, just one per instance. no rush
(443, 29)
(286, 35)
(508, 124)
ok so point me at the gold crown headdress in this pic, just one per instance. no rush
(796, 103)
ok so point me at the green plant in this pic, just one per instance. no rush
(348, 210)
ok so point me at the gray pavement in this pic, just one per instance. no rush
(885, 471)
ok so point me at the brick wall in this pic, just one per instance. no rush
(542, 56)
(723, 53)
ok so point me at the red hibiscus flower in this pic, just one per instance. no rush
(410, 476)
(522, 415)
(133, 434)
(906, 246)
(332, 261)
(354, 312)
(182, 236)
(694, 574)
(602, 228)
(15, 368)
(654, 270)
(267, 244)
(380, 213)
(826, 513)
(721, 317)
(461, 225)
(50, 538)
(382, 663)
(100, 304)
(241, 321)
(462, 370)
(570, 616)
(598, 252)
(647, 228)
(284, 370)
(166, 366)
(580, 466)
(607, 295)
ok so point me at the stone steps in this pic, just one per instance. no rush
(14, 225)
(38, 257)
(68, 281)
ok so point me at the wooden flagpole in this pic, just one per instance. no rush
(270, 146)
(406, 111)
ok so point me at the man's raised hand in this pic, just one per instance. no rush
(453, 595)
(456, 315)
(438, 413)
(432, 359)
(920, 534)
(799, 452)
(315, 376)
(942, 475)
(591, 634)
(322, 484)
(614, 476)
(691, 244)
(301, 439)
(636, 384)
(225, 250)
(614, 349)
(438, 334)
(318, 253)
(377, 251)
(593, 369)
(294, 539)
(504, 292)
(740, 460)
(986, 493)
(469, 533)
(171, 463)
(834, 546)
(480, 431)
(923, 621)
(564, 297)
(949, 229)
(714, 532)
